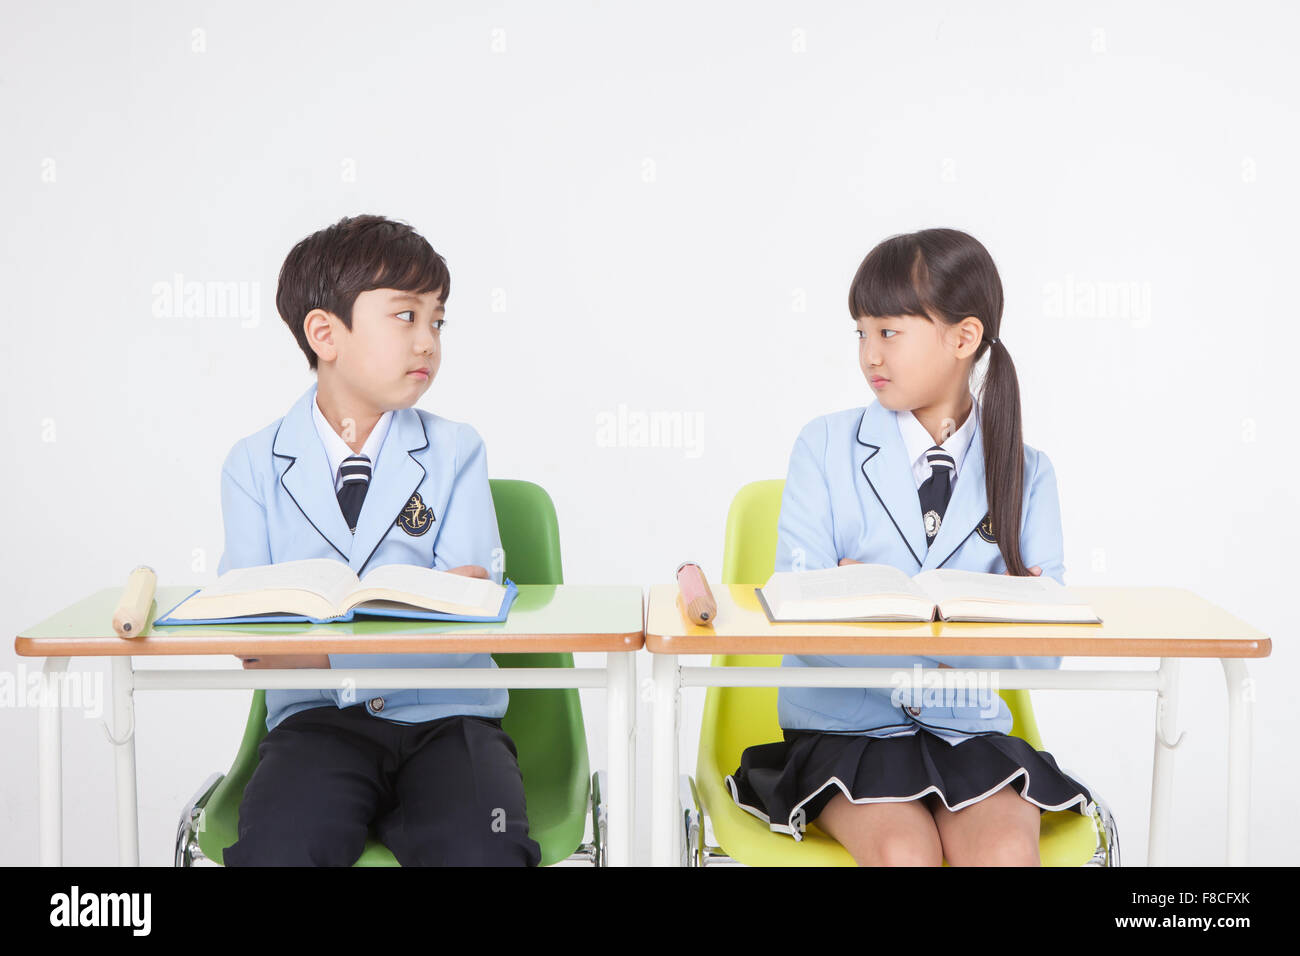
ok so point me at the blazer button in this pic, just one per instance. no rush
(914, 711)
(377, 703)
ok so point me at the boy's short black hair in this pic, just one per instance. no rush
(330, 268)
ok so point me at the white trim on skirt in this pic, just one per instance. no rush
(1089, 807)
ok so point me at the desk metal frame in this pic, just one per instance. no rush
(617, 677)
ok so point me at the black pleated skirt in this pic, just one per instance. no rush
(788, 784)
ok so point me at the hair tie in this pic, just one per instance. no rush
(994, 341)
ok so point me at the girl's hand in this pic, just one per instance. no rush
(1035, 570)
(287, 660)
(844, 561)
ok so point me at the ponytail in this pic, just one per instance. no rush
(1004, 452)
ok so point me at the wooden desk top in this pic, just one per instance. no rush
(543, 618)
(1136, 622)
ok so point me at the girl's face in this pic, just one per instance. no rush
(913, 362)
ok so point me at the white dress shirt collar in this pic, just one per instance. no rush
(336, 449)
(918, 441)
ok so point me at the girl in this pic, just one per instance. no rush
(925, 477)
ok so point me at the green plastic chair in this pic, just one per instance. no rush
(545, 724)
(738, 717)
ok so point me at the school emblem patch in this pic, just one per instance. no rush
(416, 518)
(985, 529)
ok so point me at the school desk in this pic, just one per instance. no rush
(1159, 622)
(544, 618)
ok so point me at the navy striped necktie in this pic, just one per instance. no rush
(356, 479)
(936, 490)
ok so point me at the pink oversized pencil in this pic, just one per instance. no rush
(694, 598)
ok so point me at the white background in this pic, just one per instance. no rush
(657, 206)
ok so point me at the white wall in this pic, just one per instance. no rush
(659, 208)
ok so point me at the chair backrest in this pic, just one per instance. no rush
(739, 717)
(545, 723)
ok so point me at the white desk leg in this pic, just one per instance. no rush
(665, 827)
(50, 758)
(620, 716)
(128, 836)
(1241, 713)
(1162, 769)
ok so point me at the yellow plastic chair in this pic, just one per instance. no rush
(739, 717)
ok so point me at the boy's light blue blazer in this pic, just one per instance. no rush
(428, 504)
(850, 493)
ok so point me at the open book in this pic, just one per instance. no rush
(881, 592)
(321, 590)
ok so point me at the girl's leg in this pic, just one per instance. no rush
(884, 834)
(1001, 830)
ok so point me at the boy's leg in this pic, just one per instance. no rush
(1000, 830)
(883, 834)
(319, 782)
(459, 798)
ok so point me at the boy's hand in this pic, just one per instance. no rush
(469, 571)
(1035, 570)
(287, 660)
(844, 561)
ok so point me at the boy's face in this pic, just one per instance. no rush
(911, 362)
(395, 337)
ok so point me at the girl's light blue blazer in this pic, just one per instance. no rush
(428, 504)
(850, 493)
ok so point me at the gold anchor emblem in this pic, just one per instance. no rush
(416, 517)
(985, 529)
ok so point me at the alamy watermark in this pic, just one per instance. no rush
(1097, 299)
(946, 687)
(70, 690)
(634, 428)
(179, 299)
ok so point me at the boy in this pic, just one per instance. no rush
(356, 473)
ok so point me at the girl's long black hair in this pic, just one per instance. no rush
(946, 275)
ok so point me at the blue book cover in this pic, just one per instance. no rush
(405, 614)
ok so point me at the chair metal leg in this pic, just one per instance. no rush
(698, 852)
(1107, 836)
(688, 803)
(599, 820)
(1107, 851)
(187, 844)
(596, 851)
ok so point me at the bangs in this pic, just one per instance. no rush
(408, 265)
(892, 280)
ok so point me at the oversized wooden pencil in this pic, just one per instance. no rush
(694, 598)
(133, 609)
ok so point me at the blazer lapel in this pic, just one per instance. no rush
(396, 477)
(306, 475)
(884, 464)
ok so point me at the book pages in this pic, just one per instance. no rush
(952, 584)
(437, 586)
(850, 581)
(332, 580)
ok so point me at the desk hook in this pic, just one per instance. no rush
(1164, 742)
(1160, 732)
(130, 732)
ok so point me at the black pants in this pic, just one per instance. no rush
(444, 792)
